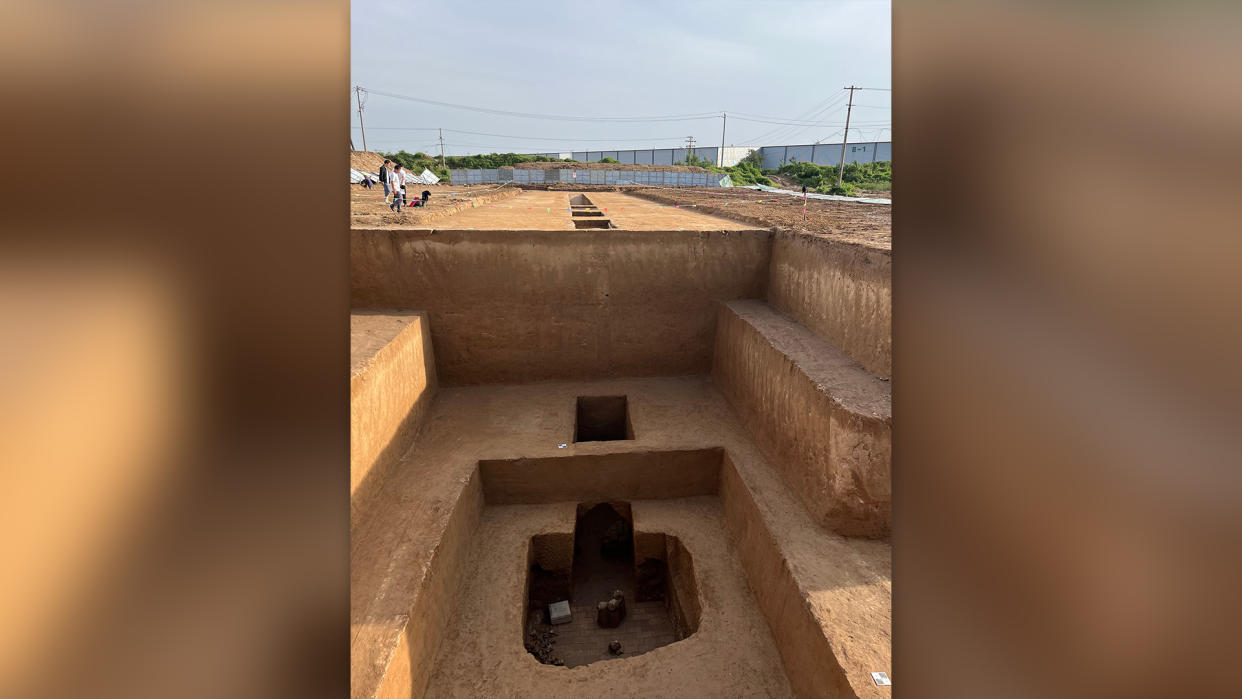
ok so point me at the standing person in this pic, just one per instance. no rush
(396, 180)
(383, 175)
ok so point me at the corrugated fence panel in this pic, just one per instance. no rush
(588, 177)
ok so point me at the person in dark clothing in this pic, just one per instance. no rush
(426, 196)
(383, 177)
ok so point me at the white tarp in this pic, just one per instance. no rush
(813, 195)
(427, 177)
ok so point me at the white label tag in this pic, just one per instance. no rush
(881, 679)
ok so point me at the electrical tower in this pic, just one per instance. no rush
(358, 92)
(845, 138)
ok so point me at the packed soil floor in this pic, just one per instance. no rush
(853, 222)
(491, 206)
(550, 211)
(367, 208)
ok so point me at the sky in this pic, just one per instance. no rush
(759, 61)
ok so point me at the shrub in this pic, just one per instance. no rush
(609, 160)
(745, 173)
(695, 161)
(824, 177)
(416, 162)
(845, 189)
(754, 158)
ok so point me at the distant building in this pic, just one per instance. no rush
(773, 156)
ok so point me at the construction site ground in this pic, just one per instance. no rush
(550, 210)
(368, 209)
(634, 208)
(847, 221)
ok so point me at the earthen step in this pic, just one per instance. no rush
(833, 371)
(826, 422)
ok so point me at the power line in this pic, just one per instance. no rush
(792, 123)
(812, 113)
(551, 117)
(528, 138)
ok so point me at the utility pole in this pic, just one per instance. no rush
(724, 121)
(442, 147)
(689, 146)
(845, 137)
(358, 92)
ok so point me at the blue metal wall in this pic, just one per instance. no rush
(607, 177)
(773, 156)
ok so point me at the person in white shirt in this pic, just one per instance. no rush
(396, 180)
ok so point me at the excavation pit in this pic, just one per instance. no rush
(755, 449)
(602, 419)
(645, 606)
(592, 223)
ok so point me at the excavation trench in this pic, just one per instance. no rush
(585, 214)
(628, 592)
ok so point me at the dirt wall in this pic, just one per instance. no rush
(436, 601)
(684, 599)
(392, 383)
(636, 475)
(843, 292)
(810, 664)
(823, 419)
(521, 306)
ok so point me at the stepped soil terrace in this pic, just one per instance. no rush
(688, 409)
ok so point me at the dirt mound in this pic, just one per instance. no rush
(365, 160)
(602, 166)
